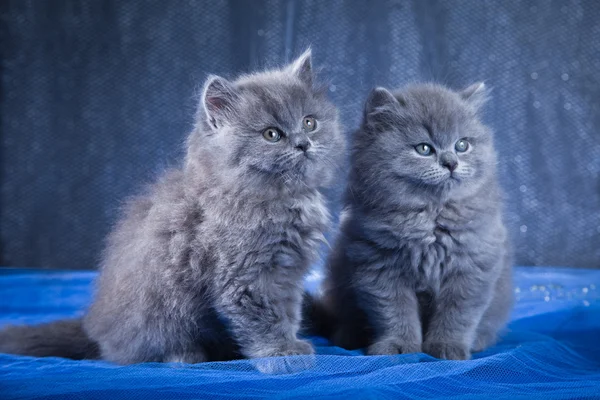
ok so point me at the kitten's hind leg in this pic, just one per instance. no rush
(485, 337)
(491, 323)
(496, 314)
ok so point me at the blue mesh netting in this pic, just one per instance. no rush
(551, 352)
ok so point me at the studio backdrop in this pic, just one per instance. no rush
(97, 97)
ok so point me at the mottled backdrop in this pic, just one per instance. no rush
(97, 97)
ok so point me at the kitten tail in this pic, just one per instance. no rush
(64, 338)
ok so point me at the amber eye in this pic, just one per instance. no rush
(272, 135)
(309, 124)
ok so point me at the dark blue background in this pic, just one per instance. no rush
(98, 96)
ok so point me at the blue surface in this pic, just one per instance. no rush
(551, 352)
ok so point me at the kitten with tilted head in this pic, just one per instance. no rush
(422, 260)
(209, 263)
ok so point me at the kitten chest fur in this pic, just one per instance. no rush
(278, 237)
(427, 244)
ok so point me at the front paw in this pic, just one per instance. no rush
(291, 348)
(295, 348)
(280, 362)
(447, 350)
(393, 346)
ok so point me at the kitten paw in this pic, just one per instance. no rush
(391, 347)
(447, 351)
(293, 348)
(296, 348)
(282, 360)
(483, 341)
(187, 358)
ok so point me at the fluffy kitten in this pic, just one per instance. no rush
(422, 261)
(209, 263)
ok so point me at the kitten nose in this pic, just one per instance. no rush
(304, 145)
(449, 161)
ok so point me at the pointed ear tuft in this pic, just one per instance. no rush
(378, 98)
(218, 99)
(302, 67)
(475, 95)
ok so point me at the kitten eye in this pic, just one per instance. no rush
(462, 145)
(272, 135)
(424, 149)
(309, 124)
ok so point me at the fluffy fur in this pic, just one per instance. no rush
(209, 263)
(422, 261)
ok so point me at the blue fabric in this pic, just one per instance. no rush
(551, 352)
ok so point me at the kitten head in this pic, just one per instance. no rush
(428, 137)
(270, 129)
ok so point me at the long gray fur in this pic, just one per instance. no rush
(209, 263)
(422, 262)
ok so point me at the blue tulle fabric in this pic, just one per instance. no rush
(551, 351)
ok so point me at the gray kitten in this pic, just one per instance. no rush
(209, 263)
(422, 261)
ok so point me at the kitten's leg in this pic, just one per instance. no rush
(137, 346)
(497, 312)
(394, 315)
(264, 320)
(458, 309)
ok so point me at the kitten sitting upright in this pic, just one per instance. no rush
(209, 264)
(422, 261)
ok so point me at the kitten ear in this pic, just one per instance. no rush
(378, 98)
(302, 67)
(476, 95)
(218, 98)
